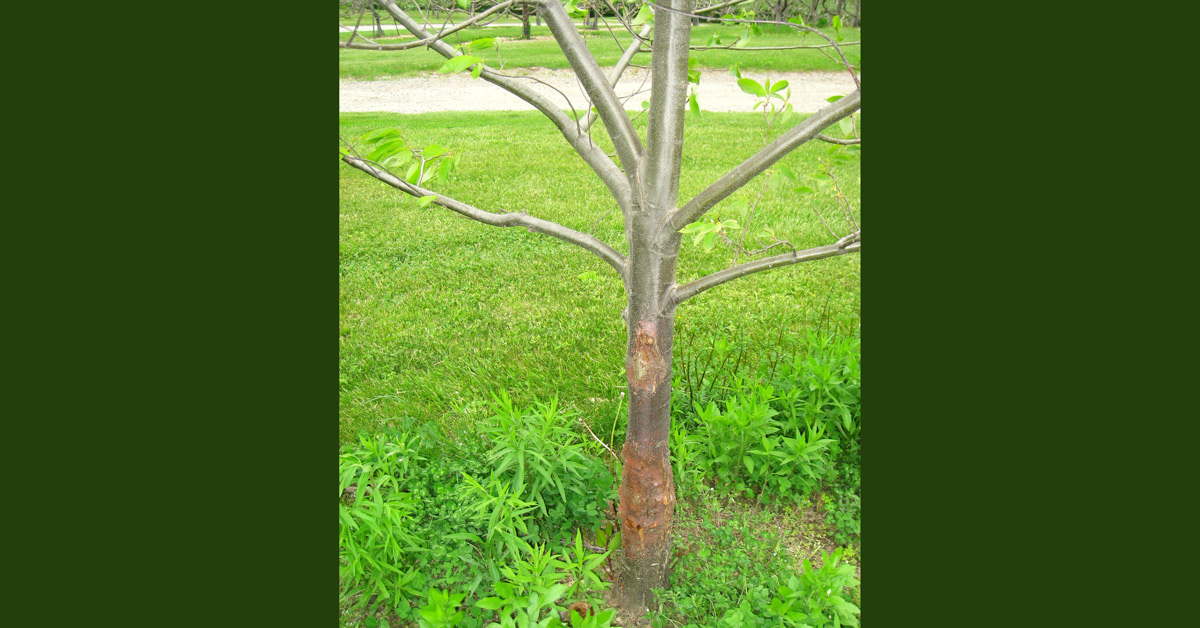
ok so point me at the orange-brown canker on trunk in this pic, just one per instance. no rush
(647, 508)
(644, 367)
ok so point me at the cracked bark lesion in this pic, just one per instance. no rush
(647, 499)
(645, 368)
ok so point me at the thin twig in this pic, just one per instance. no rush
(613, 433)
(585, 425)
(835, 140)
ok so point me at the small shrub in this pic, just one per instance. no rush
(544, 461)
(375, 537)
(818, 597)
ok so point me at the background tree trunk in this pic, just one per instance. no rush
(378, 24)
(525, 21)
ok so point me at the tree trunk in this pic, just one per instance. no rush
(647, 493)
(525, 21)
(378, 24)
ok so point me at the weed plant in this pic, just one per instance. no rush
(487, 527)
(419, 523)
(733, 570)
(774, 430)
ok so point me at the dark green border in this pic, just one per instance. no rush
(174, 266)
(973, 427)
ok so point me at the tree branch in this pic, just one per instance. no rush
(718, 7)
(608, 172)
(612, 112)
(432, 38)
(510, 219)
(798, 27)
(668, 101)
(849, 244)
(760, 161)
(614, 75)
(834, 140)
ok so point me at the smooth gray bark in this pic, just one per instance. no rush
(612, 112)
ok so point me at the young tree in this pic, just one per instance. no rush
(644, 182)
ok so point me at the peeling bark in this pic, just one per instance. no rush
(647, 511)
(644, 368)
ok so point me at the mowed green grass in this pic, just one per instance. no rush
(437, 311)
(543, 52)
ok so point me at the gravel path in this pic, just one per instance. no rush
(718, 91)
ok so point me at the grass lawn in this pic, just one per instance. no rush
(542, 51)
(437, 311)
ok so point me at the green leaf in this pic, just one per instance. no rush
(399, 160)
(433, 151)
(644, 16)
(424, 201)
(834, 98)
(751, 87)
(837, 23)
(804, 189)
(480, 44)
(464, 4)
(695, 106)
(490, 603)
(379, 135)
(466, 536)
(458, 64)
(778, 86)
(734, 71)
(386, 149)
(476, 71)
(446, 167)
(787, 172)
(788, 113)
(846, 126)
